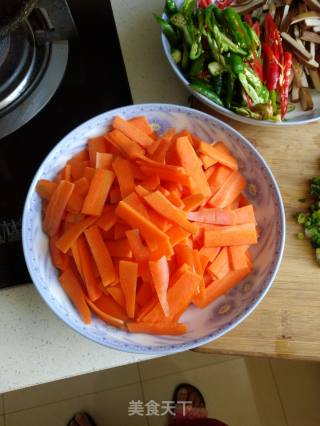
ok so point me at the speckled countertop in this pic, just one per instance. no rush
(35, 345)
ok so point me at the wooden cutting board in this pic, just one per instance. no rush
(286, 324)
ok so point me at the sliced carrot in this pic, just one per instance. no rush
(163, 206)
(220, 146)
(96, 145)
(66, 240)
(214, 216)
(209, 172)
(104, 160)
(75, 203)
(101, 255)
(45, 188)
(209, 252)
(176, 275)
(160, 153)
(139, 250)
(198, 270)
(59, 259)
(224, 159)
(207, 161)
(116, 322)
(98, 192)
(190, 161)
(142, 123)
(179, 297)
(128, 273)
(125, 145)
(218, 178)
(150, 233)
(238, 257)
(141, 191)
(89, 270)
(229, 191)
(192, 202)
(79, 157)
(183, 255)
(76, 258)
(72, 286)
(81, 186)
(119, 248)
(109, 306)
(243, 201)
(124, 175)
(88, 173)
(176, 175)
(134, 201)
(236, 235)
(151, 182)
(107, 218)
(172, 329)
(177, 235)
(244, 214)
(117, 293)
(56, 207)
(160, 277)
(144, 310)
(132, 132)
(144, 294)
(220, 287)
(220, 267)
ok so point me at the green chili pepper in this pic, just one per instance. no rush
(257, 84)
(188, 7)
(196, 48)
(210, 19)
(197, 66)
(176, 55)
(210, 94)
(179, 21)
(168, 31)
(170, 7)
(273, 98)
(237, 64)
(246, 112)
(217, 13)
(225, 44)
(217, 82)
(229, 90)
(215, 51)
(236, 28)
(255, 40)
(185, 58)
(250, 90)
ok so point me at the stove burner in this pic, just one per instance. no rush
(17, 56)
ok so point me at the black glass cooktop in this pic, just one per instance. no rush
(95, 81)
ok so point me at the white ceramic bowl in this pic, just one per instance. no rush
(292, 118)
(204, 325)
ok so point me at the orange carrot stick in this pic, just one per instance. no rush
(160, 277)
(116, 322)
(96, 145)
(45, 188)
(81, 186)
(88, 269)
(109, 306)
(229, 191)
(66, 240)
(107, 218)
(170, 329)
(190, 161)
(216, 154)
(119, 248)
(117, 293)
(104, 160)
(126, 146)
(220, 267)
(238, 257)
(139, 250)
(101, 255)
(72, 287)
(163, 206)
(128, 273)
(236, 235)
(124, 175)
(56, 207)
(98, 192)
(132, 132)
(59, 259)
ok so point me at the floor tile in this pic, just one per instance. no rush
(178, 362)
(299, 388)
(1, 421)
(109, 408)
(69, 388)
(225, 386)
(265, 392)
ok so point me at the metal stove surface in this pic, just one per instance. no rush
(95, 81)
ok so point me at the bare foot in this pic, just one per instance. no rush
(82, 419)
(195, 406)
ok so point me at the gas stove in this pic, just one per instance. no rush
(57, 69)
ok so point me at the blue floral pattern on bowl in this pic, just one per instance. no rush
(204, 325)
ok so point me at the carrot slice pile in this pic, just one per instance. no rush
(142, 225)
